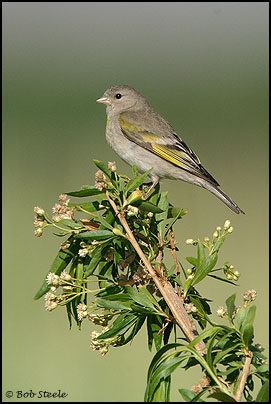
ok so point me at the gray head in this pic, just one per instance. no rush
(122, 98)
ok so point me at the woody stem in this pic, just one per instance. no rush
(166, 289)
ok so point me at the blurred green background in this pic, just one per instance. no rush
(204, 67)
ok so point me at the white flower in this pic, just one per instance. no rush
(227, 225)
(189, 241)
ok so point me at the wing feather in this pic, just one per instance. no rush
(174, 151)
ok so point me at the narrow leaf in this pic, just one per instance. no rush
(240, 317)
(146, 206)
(102, 166)
(161, 218)
(119, 327)
(95, 235)
(204, 268)
(248, 334)
(226, 398)
(192, 260)
(91, 191)
(230, 304)
(250, 316)
(134, 183)
(60, 262)
(263, 395)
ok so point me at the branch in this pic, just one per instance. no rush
(244, 376)
(166, 289)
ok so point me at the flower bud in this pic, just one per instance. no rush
(189, 241)
(117, 232)
(39, 211)
(227, 225)
(135, 196)
(112, 166)
(38, 232)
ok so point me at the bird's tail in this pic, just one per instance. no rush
(222, 196)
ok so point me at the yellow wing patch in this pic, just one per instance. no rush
(169, 154)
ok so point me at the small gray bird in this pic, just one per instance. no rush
(139, 135)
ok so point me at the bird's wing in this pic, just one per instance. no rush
(170, 147)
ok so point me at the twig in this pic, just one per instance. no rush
(244, 376)
(166, 289)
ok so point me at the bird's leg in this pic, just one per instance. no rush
(155, 182)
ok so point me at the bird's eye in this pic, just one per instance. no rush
(118, 96)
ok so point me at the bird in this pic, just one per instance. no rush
(140, 136)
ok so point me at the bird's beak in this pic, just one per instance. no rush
(103, 100)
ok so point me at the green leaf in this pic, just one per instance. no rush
(95, 235)
(60, 262)
(156, 325)
(206, 265)
(146, 206)
(135, 170)
(218, 244)
(188, 395)
(70, 223)
(161, 393)
(220, 355)
(201, 253)
(88, 206)
(221, 279)
(104, 222)
(164, 370)
(95, 259)
(113, 305)
(138, 325)
(134, 183)
(230, 304)
(150, 297)
(192, 260)
(120, 326)
(170, 225)
(197, 303)
(241, 314)
(139, 297)
(176, 212)
(161, 218)
(91, 191)
(203, 335)
(262, 369)
(226, 398)
(102, 166)
(250, 316)
(248, 334)
(263, 395)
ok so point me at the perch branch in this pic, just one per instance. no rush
(244, 376)
(166, 289)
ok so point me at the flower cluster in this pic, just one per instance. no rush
(229, 273)
(204, 382)
(100, 180)
(218, 233)
(102, 345)
(55, 281)
(40, 221)
(100, 318)
(61, 210)
(249, 296)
